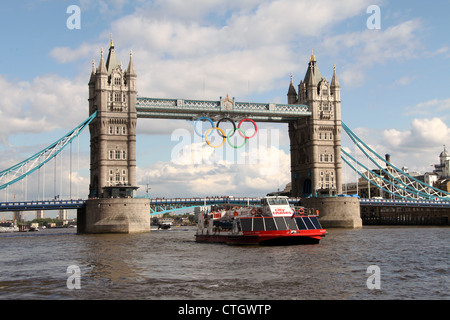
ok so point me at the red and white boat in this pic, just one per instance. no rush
(274, 222)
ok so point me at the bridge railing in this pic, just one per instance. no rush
(404, 202)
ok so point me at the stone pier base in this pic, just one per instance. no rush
(114, 215)
(336, 212)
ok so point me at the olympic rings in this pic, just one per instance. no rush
(232, 132)
(222, 133)
(230, 120)
(195, 126)
(256, 128)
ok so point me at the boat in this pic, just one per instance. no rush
(273, 222)
(158, 224)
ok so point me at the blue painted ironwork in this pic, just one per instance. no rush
(36, 161)
(400, 184)
(193, 109)
(41, 205)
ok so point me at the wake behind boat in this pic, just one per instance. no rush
(274, 222)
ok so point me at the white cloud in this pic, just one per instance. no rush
(436, 107)
(202, 49)
(371, 47)
(403, 81)
(196, 169)
(66, 54)
(47, 103)
(417, 148)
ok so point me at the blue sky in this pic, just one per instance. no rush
(395, 81)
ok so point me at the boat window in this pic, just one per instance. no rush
(301, 224)
(270, 224)
(246, 224)
(308, 223)
(281, 224)
(258, 224)
(291, 223)
(277, 201)
(315, 222)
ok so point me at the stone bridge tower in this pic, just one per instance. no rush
(111, 207)
(316, 166)
(112, 93)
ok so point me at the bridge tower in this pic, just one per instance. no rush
(111, 206)
(316, 167)
(316, 141)
(112, 93)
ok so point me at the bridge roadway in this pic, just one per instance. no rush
(157, 205)
(173, 203)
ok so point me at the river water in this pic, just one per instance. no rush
(413, 264)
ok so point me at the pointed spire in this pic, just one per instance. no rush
(130, 70)
(111, 61)
(92, 78)
(292, 90)
(313, 57)
(334, 80)
(313, 75)
(101, 67)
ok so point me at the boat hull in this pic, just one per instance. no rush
(265, 239)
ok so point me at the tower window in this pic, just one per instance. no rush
(111, 154)
(117, 97)
(117, 81)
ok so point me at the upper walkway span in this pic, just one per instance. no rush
(193, 109)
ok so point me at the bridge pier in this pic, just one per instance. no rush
(336, 212)
(114, 215)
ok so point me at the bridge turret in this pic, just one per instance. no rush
(111, 206)
(292, 93)
(335, 86)
(315, 141)
(113, 133)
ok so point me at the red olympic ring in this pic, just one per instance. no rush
(256, 128)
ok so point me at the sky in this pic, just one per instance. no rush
(393, 68)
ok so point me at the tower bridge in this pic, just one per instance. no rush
(313, 115)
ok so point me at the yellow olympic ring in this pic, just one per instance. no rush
(223, 135)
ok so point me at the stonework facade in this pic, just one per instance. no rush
(316, 166)
(112, 93)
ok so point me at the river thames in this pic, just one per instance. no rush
(413, 264)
